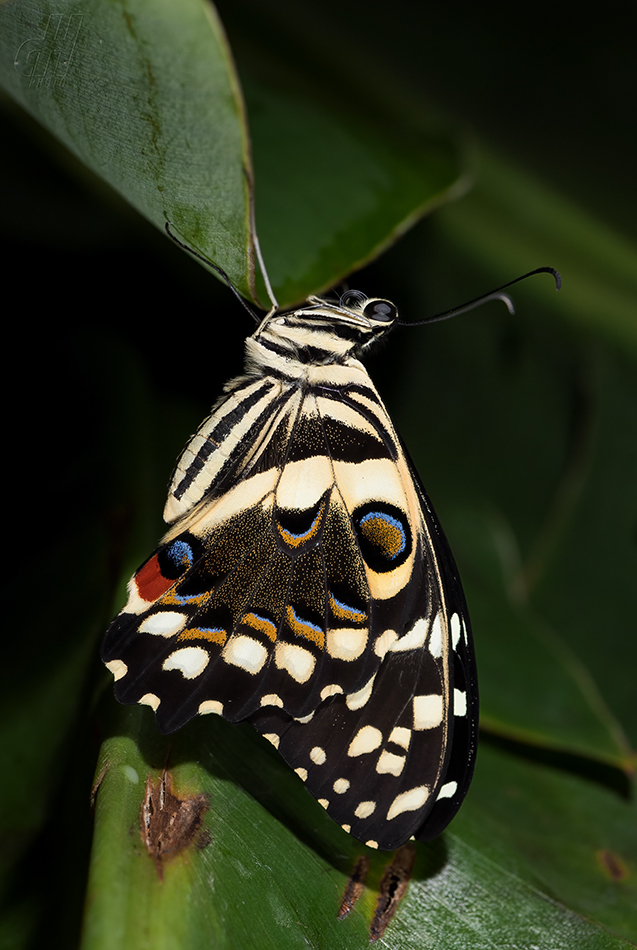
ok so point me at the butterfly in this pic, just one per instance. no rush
(305, 585)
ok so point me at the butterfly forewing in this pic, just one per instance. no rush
(306, 586)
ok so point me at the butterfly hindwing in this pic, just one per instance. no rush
(384, 762)
(306, 587)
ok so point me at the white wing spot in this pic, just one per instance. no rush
(435, 637)
(346, 643)
(323, 802)
(459, 703)
(246, 653)
(318, 755)
(136, 604)
(272, 700)
(371, 843)
(447, 791)
(332, 690)
(401, 736)
(340, 786)
(456, 630)
(304, 719)
(295, 660)
(211, 706)
(191, 661)
(412, 640)
(357, 700)
(149, 699)
(388, 762)
(366, 740)
(347, 828)
(118, 668)
(427, 711)
(164, 624)
(365, 809)
(411, 800)
(383, 642)
(272, 738)
(302, 773)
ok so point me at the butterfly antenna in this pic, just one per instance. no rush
(485, 298)
(218, 269)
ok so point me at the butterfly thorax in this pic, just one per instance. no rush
(319, 333)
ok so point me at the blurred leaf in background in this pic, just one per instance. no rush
(361, 119)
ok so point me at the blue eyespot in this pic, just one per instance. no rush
(180, 553)
(384, 536)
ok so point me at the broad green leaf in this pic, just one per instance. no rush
(535, 689)
(586, 591)
(240, 889)
(347, 158)
(144, 92)
(169, 134)
(331, 192)
(563, 833)
(275, 866)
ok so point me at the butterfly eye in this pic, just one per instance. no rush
(381, 310)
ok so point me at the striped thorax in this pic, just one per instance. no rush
(315, 346)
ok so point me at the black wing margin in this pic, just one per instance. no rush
(464, 735)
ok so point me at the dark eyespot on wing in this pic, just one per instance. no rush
(384, 535)
(298, 530)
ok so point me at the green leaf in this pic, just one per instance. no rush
(586, 589)
(331, 193)
(238, 889)
(563, 834)
(171, 137)
(275, 866)
(146, 95)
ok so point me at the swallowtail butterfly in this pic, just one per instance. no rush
(305, 585)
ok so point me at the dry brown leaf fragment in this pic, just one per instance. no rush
(393, 887)
(169, 822)
(354, 887)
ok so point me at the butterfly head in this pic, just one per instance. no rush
(328, 330)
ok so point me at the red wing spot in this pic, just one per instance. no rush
(150, 581)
